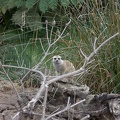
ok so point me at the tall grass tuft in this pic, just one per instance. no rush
(98, 22)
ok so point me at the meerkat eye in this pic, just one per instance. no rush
(54, 58)
(59, 58)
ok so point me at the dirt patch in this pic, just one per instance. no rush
(57, 100)
(9, 99)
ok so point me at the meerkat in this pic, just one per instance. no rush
(62, 66)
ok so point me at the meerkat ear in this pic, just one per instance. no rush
(59, 57)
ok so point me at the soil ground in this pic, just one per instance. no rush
(8, 99)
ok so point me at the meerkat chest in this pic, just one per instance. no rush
(59, 68)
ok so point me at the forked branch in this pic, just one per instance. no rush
(80, 71)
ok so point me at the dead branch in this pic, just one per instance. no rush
(9, 79)
(32, 103)
(45, 83)
(46, 52)
(65, 109)
(44, 103)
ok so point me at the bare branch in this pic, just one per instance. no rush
(94, 46)
(44, 103)
(42, 45)
(32, 103)
(68, 102)
(62, 32)
(65, 109)
(9, 80)
(86, 117)
(46, 22)
(16, 116)
(31, 70)
(51, 32)
(83, 54)
(68, 23)
(97, 49)
(48, 49)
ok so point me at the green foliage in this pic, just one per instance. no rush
(44, 5)
(17, 17)
(27, 18)
(65, 3)
(102, 23)
(6, 5)
(10, 4)
(33, 20)
(19, 3)
(76, 2)
(30, 3)
(53, 4)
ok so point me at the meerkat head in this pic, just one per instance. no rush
(57, 59)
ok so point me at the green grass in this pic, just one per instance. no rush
(102, 24)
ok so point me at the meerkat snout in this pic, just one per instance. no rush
(57, 59)
(62, 66)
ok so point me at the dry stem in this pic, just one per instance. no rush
(45, 83)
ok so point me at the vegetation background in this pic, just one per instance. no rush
(23, 34)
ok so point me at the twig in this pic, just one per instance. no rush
(48, 49)
(86, 117)
(68, 102)
(81, 70)
(83, 54)
(98, 48)
(16, 116)
(46, 22)
(44, 103)
(65, 109)
(32, 103)
(31, 70)
(51, 32)
(82, 15)
(42, 45)
(61, 33)
(9, 80)
(94, 46)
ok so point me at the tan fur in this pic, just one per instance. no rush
(62, 66)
